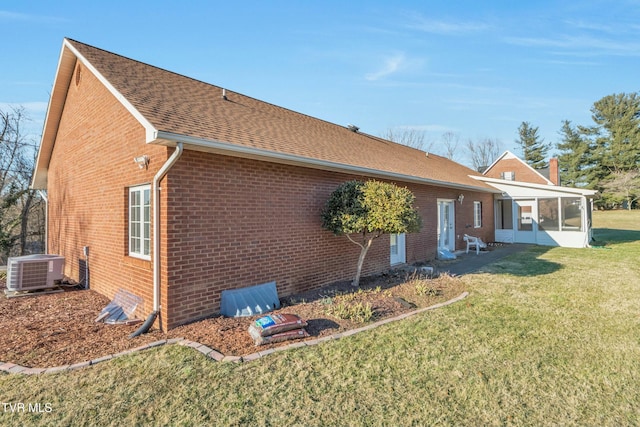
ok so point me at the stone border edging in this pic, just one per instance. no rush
(12, 368)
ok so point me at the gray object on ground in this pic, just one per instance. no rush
(250, 300)
(121, 309)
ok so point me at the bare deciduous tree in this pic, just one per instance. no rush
(483, 152)
(410, 137)
(450, 142)
(623, 186)
(17, 202)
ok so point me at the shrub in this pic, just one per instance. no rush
(369, 210)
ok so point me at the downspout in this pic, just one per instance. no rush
(46, 219)
(156, 240)
(156, 223)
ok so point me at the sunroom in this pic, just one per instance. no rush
(547, 215)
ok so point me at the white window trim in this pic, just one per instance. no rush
(508, 176)
(141, 228)
(477, 214)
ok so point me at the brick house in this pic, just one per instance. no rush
(512, 168)
(179, 189)
(533, 207)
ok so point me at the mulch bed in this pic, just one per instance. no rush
(60, 329)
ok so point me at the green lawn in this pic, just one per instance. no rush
(547, 337)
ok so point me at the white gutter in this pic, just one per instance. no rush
(557, 188)
(251, 152)
(156, 223)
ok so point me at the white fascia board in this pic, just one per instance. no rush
(150, 130)
(57, 99)
(504, 185)
(168, 138)
(496, 161)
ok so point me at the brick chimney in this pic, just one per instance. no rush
(554, 173)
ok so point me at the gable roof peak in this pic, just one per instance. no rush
(508, 155)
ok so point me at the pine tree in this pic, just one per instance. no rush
(573, 160)
(617, 119)
(534, 149)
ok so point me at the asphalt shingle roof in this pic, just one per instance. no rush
(181, 105)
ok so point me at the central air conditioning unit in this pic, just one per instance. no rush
(33, 272)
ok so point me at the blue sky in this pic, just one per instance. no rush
(474, 68)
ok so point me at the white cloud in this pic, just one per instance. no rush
(391, 65)
(587, 44)
(13, 16)
(585, 25)
(6, 15)
(443, 27)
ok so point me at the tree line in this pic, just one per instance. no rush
(480, 153)
(22, 210)
(603, 156)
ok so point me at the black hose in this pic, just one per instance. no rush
(146, 325)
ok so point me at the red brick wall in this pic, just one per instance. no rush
(523, 173)
(230, 222)
(237, 222)
(90, 171)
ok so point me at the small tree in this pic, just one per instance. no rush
(370, 209)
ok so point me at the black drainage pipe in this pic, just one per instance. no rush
(146, 325)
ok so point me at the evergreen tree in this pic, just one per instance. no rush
(617, 119)
(534, 149)
(573, 160)
(615, 144)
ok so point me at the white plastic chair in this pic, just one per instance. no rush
(474, 242)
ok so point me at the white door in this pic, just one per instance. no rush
(446, 225)
(398, 249)
(526, 226)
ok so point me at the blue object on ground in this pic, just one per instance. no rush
(446, 254)
(249, 301)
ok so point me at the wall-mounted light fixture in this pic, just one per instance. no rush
(461, 198)
(142, 161)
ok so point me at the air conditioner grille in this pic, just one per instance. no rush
(34, 274)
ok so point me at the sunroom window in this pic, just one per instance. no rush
(548, 214)
(571, 214)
